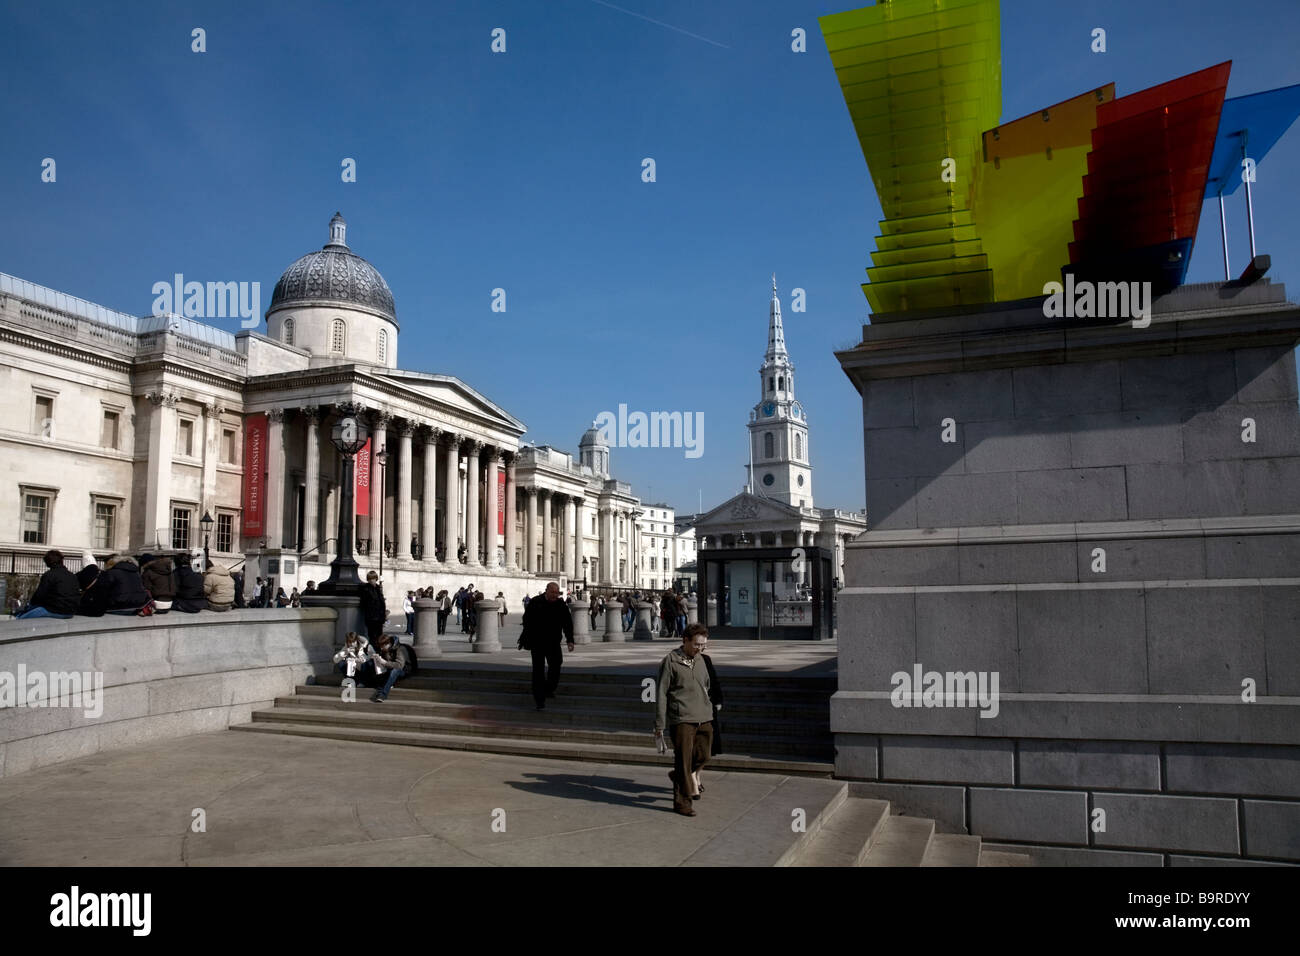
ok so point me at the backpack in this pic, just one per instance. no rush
(413, 664)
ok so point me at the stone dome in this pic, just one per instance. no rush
(333, 275)
(593, 436)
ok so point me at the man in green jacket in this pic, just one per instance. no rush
(683, 704)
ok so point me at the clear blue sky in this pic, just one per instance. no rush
(523, 171)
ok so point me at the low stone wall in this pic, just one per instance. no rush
(164, 676)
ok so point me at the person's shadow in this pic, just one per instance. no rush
(613, 790)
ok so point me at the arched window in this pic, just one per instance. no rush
(769, 445)
(780, 383)
(798, 445)
(338, 336)
(383, 346)
(288, 331)
(770, 382)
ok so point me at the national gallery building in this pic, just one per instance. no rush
(121, 433)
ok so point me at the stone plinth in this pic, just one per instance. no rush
(692, 611)
(426, 628)
(486, 640)
(614, 623)
(711, 612)
(1107, 518)
(581, 624)
(642, 631)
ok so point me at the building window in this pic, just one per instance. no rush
(769, 445)
(383, 346)
(105, 526)
(652, 565)
(288, 331)
(622, 569)
(43, 416)
(593, 525)
(780, 383)
(36, 519)
(798, 445)
(185, 438)
(225, 533)
(228, 446)
(338, 336)
(181, 529)
(108, 430)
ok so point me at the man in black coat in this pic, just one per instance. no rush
(545, 619)
(126, 592)
(57, 593)
(189, 590)
(374, 611)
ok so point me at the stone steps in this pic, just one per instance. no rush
(519, 746)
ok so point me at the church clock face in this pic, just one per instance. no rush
(796, 410)
(768, 479)
(769, 409)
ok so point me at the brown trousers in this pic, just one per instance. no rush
(692, 744)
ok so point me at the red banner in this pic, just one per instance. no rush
(501, 502)
(361, 486)
(255, 429)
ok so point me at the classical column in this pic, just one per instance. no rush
(472, 541)
(211, 452)
(511, 534)
(378, 478)
(450, 495)
(566, 545)
(493, 509)
(530, 532)
(162, 446)
(579, 521)
(402, 536)
(429, 502)
(547, 556)
(275, 469)
(311, 508)
(609, 566)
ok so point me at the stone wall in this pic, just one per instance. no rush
(163, 676)
(1099, 536)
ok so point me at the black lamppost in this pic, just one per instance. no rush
(382, 458)
(349, 436)
(207, 523)
(584, 575)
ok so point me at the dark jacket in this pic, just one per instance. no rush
(189, 590)
(373, 608)
(545, 621)
(125, 590)
(58, 592)
(159, 577)
(94, 598)
(715, 698)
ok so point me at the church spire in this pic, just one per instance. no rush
(775, 330)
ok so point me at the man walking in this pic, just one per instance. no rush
(545, 619)
(683, 704)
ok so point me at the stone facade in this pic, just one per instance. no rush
(1108, 519)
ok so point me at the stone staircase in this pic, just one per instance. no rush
(768, 725)
(774, 726)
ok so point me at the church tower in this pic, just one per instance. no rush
(778, 428)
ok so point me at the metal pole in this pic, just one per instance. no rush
(1250, 219)
(1223, 230)
(383, 493)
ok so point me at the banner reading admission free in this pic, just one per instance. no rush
(255, 430)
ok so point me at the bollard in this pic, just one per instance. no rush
(692, 611)
(711, 613)
(486, 640)
(581, 625)
(426, 629)
(614, 623)
(641, 631)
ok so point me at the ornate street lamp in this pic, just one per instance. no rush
(349, 437)
(584, 575)
(207, 523)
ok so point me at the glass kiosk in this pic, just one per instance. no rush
(769, 594)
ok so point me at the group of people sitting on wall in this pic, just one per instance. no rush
(150, 584)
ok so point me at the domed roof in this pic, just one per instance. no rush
(593, 436)
(335, 274)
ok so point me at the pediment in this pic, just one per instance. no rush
(744, 508)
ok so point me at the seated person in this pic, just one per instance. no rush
(57, 593)
(94, 599)
(356, 654)
(189, 590)
(218, 588)
(393, 661)
(126, 592)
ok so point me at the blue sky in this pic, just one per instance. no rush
(523, 171)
